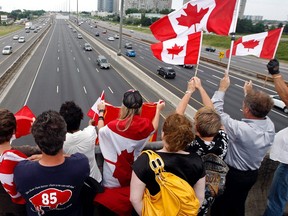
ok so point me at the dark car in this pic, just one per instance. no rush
(210, 49)
(189, 66)
(128, 46)
(167, 72)
(97, 34)
(130, 53)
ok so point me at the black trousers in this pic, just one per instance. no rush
(232, 201)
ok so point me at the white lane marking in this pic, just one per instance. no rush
(57, 89)
(58, 51)
(78, 70)
(217, 77)
(74, 58)
(89, 59)
(84, 89)
(200, 70)
(239, 86)
(177, 67)
(58, 58)
(141, 57)
(57, 69)
(97, 70)
(110, 89)
(70, 50)
(285, 116)
(211, 82)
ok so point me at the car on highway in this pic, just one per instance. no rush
(110, 38)
(15, 37)
(103, 62)
(97, 34)
(21, 39)
(87, 47)
(27, 31)
(116, 36)
(35, 31)
(167, 72)
(130, 53)
(128, 46)
(74, 30)
(210, 49)
(104, 31)
(279, 103)
(189, 66)
(7, 50)
(79, 36)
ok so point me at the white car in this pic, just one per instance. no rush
(15, 37)
(279, 103)
(7, 50)
(111, 38)
(116, 36)
(21, 39)
(79, 36)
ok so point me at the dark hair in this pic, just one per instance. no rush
(7, 125)
(207, 122)
(259, 103)
(178, 132)
(49, 131)
(72, 115)
(132, 99)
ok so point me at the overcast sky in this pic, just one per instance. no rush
(269, 9)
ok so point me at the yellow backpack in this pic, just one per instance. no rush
(176, 196)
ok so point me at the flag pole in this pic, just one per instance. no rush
(196, 70)
(234, 25)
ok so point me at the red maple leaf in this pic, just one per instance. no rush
(192, 16)
(175, 50)
(123, 167)
(251, 44)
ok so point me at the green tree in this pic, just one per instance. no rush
(280, 25)
(285, 30)
(131, 10)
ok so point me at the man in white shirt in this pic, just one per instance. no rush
(278, 194)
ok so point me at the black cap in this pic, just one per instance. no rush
(132, 99)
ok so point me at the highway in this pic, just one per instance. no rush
(60, 69)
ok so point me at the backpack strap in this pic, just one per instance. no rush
(155, 161)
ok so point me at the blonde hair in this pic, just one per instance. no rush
(207, 122)
(177, 132)
(127, 115)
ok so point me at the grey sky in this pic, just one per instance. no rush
(269, 9)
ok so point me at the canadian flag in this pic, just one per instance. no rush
(197, 15)
(262, 45)
(24, 120)
(93, 111)
(180, 50)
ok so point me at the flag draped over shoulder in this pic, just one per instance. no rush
(24, 120)
(112, 112)
(197, 15)
(262, 45)
(180, 50)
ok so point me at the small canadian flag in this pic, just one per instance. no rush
(262, 45)
(180, 50)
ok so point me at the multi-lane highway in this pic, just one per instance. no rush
(60, 69)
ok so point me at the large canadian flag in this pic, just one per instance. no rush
(180, 50)
(197, 15)
(262, 45)
(112, 112)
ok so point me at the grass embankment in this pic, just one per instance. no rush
(8, 29)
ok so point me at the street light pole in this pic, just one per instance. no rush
(77, 15)
(120, 28)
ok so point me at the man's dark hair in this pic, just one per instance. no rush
(259, 103)
(72, 115)
(49, 131)
(7, 125)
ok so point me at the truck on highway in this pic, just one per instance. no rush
(28, 25)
